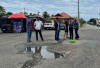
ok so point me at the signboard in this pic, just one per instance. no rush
(17, 27)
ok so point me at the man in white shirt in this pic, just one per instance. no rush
(38, 26)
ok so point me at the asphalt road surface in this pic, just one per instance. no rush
(85, 53)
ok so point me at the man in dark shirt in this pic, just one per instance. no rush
(66, 29)
(76, 27)
(71, 29)
(57, 29)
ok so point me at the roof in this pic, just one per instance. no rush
(65, 15)
(96, 18)
(61, 15)
(36, 15)
(17, 15)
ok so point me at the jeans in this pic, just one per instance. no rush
(29, 35)
(57, 35)
(76, 33)
(40, 35)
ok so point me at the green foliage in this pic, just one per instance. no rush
(46, 15)
(2, 11)
(9, 13)
(82, 22)
(52, 15)
(93, 20)
(26, 14)
(30, 14)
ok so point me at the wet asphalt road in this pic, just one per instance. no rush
(85, 53)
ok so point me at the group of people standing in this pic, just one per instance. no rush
(38, 26)
(69, 25)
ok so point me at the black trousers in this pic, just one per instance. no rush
(71, 33)
(76, 33)
(39, 31)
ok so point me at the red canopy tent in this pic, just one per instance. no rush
(17, 16)
(18, 22)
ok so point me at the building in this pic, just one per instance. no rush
(62, 15)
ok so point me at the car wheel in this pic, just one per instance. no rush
(0, 30)
(45, 28)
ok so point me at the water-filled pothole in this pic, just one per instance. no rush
(42, 52)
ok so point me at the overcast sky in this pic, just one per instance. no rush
(88, 8)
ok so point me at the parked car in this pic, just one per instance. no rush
(0, 28)
(6, 28)
(49, 25)
(5, 25)
(62, 26)
(98, 25)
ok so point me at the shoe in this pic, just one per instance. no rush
(28, 41)
(42, 40)
(77, 38)
(69, 38)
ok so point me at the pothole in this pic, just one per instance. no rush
(41, 52)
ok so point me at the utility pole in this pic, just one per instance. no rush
(78, 10)
(24, 10)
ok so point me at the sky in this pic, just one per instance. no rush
(88, 8)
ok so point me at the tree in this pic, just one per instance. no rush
(25, 13)
(30, 14)
(2, 11)
(46, 15)
(9, 13)
(52, 15)
(82, 22)
(93, 21)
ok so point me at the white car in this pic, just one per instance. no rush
(49, 25)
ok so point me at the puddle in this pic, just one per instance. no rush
(41, 52)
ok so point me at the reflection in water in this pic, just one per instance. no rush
(41, 52)
(28, 49)
(58, 55)
(37, 53)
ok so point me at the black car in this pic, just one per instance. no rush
(0, 28)
(5, 25)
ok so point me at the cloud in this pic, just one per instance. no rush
(54, 6)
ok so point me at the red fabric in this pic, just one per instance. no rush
(17, 15)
